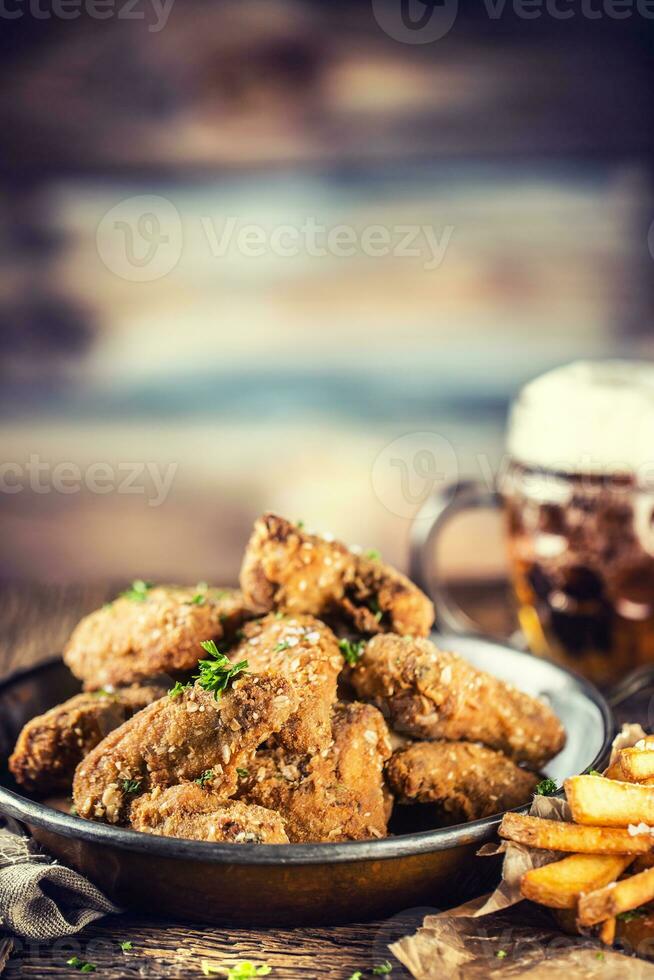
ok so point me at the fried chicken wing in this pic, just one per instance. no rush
(430, 694)
(306, 652)
(462, 780)
(156, 631)
(287, 569)
(179, 738)
(196, 813)
(361, 747)
(51, 746)
(335, 796)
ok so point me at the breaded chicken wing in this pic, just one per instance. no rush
(306, 652)
(361, 747)
(51, 746)
(151, 631)
(462, 780)
(286, 569)
(430, 694)
(335, 796)
(179, 738)
(196, 813)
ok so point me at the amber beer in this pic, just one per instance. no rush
(579, 501)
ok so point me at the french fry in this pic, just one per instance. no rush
(559, 885)
(633, 765)
(555, 835)
(607, 931)
(601, 802)
(614, 899)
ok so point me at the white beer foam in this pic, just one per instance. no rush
(593, 417)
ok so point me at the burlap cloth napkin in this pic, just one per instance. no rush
(40, 899)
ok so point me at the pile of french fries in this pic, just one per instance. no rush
(608, 879)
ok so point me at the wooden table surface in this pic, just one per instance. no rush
(34, 622)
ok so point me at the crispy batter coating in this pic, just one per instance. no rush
(306, 652)
(335, 796)
(287, 569)
(308, 794)
(177, 739)
(51, 746)
(430, 694)
(196, 813)
(361, 747)
(132, 639)
(464, 781)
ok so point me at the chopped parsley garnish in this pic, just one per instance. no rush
(81, 965)
(594, 772)
(178, 689)
(357, 975)
(599, 956)
(73, 811)
(198, 599)
(206, 777)
(126, 945)
(243, 773)
(216, 674)
(352, 651)
(632, 914)
(240, 971)
(373, 555)
(546, 787)
(375, 608)
(383, 969)
(104, 692)
(284, 645)
(501, 954)
(300, 525)
(132, 785)
(138, 591)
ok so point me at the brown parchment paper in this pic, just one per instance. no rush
(502, 935)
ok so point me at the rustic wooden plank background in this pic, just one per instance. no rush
(35, 622)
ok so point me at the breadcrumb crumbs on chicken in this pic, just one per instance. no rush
(337, 795)
(287, 569)
(462, 780)
(131, 639)
(51, 746)
(194, 813)
(306, 652)
(177, 740)
(430, 694)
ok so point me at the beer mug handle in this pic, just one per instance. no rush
(440, 506)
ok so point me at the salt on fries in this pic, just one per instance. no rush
(608, 876)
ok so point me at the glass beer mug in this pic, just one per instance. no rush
(578, 499)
